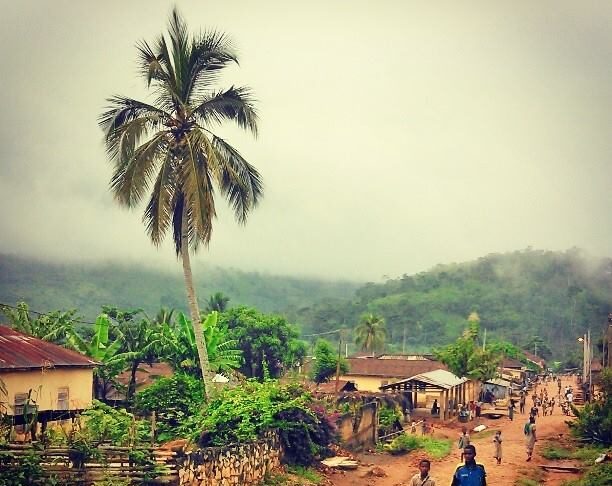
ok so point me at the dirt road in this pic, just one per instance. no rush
(399, 469)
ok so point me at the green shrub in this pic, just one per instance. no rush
(555, 453)
(21, 471)
(118, 426)
(402, 444)
(305, 473)
(388, 416)
(598, 475)
(173, 400)
(435, 448)
(246, 412)
(594, 421)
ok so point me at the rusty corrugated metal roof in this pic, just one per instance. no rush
(19, 351)
(390, 367)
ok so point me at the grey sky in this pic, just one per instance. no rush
(395, 135)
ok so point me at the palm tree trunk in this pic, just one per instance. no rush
(195, 314)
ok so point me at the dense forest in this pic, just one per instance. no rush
(540, 300)
(86, 287)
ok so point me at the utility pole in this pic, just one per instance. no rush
(404, 341)
(338, 362)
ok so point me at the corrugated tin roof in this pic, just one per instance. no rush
(393, 368)
(440, 378)
(499, 382)
(20, 352)
(512, 363)
(437, 378)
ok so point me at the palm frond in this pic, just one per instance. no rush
(158, 214)
(150, 64)
(179, 38)
(210, 52)
(239, 181)
(198, 189)
(234, 104)
(123, 110)
(131, 178)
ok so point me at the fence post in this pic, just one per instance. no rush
(153, 426)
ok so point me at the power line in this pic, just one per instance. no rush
(47, 314)
(322, 333)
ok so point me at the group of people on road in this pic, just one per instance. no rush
(471, 473)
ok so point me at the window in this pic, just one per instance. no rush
(19, 408)
(63, 398)
(20, 401)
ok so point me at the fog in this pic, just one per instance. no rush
(394, 135)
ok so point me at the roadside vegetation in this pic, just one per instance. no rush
(434, 448)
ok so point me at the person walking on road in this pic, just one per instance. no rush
(530, 436)
(522, 403)
(470, 473)
(422, 478)
(497, 442)
(464, 441)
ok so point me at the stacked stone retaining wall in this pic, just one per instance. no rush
(236, 464)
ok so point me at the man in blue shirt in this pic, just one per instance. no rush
(470, 474)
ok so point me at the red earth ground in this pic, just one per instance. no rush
(398, 470)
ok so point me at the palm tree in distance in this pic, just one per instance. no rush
(217, 302)
(370, 333)
(167, 150)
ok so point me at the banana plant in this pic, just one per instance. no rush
(105, 351)
(179, 344)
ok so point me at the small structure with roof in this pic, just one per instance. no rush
(500, 388)
(448, 389)
(513, 369)
(42, 379)
(370, 373)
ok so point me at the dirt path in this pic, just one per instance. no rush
(399, 469)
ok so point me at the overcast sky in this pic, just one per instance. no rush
(394, 135)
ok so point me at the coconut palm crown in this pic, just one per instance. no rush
(370, 333)
(166, 149)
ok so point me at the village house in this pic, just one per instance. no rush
(42, 377)
(513, 370)
(536, 360)
(370, 373)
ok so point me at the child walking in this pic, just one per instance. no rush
(497, 442)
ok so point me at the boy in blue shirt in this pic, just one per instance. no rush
(470, 474)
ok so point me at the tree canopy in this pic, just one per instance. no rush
(268, 342)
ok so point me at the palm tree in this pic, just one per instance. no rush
(217, 302)
(370, 333)
(168, 147)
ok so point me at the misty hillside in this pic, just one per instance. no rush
(556, 296)
(86, 287)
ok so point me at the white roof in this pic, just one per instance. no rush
(439, 378)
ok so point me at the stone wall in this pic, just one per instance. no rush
(237, 464)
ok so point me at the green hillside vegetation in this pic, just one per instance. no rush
(87, 287)
(529, 298)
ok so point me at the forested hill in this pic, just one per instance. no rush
(556, 296)
(86, 287)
